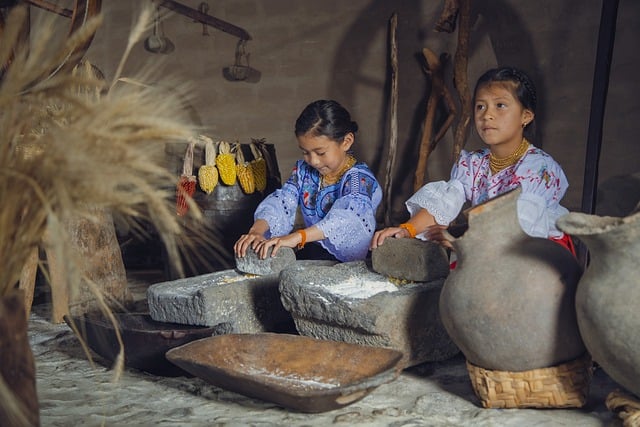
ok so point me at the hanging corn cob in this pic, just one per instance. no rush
(208, 174)
(258, 166)
(187, 183)
(226, 164)
(244, 172)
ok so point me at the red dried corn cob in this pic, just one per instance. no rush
(187, 184)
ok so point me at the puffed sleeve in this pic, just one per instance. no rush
(443, 199)
(543, 185)
(349, 225)
(279, 207)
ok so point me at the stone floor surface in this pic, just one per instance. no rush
(73, 392)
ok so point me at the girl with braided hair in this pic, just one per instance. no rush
(504, 105)
(337, 195)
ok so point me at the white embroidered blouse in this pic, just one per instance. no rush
(542, 180)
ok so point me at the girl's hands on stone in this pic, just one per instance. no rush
(288, 241)
(246, 241)
(380, 235)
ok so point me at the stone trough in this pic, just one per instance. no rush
(228, 299)
(349, 302)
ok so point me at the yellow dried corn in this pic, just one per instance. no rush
(208, 174)
(226, 164)
(244, 172)
(258, 167)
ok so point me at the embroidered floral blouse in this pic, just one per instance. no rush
(542, 180)
(344, 211)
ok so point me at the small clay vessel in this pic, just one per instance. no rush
(608, 296)
(509, 303)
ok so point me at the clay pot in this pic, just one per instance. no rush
(509, 303)
(608, 296)
(17, 366)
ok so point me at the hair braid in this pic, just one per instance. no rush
(528, 85)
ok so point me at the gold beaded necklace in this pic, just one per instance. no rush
(332, 179)
(496, 164)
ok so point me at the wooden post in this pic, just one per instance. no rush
(17, 366)
(604, 53)
(96, 245)
(393, 131)
(461, 80)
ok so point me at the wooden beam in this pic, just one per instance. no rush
(205, 19)
(604, 54)
(51, 7)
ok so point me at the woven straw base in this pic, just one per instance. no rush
(562, 386)
(626, 406)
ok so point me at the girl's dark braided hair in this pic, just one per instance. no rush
(524, 88)
(325, 118)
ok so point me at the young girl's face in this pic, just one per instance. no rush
(499, 117)
(325, 155)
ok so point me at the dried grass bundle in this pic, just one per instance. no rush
(71, 143)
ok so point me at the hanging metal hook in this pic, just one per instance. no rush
(204, 9)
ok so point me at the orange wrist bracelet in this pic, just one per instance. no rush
(303, 235)
(410, 228)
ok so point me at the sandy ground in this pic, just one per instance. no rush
(73, 392)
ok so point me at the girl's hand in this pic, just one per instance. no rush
(251, 239)
(436, 233)
(288, 241)
(254, 236)
(380, 235)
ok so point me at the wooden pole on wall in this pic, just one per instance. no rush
(393, 131)
(604, 53)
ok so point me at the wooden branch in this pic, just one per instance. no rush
(205, 19)
(393, 131)
(447, 21)
(435, 68)
(460, 78)
(453, 111)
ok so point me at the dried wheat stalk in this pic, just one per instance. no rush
(71, 143)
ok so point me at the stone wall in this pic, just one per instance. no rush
(307, 50)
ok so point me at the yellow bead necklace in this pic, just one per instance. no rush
(332, 179)
(497, 164)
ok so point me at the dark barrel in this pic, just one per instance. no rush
(228, 212)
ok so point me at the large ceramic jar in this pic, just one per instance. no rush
(608, 296)
(509, 303)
